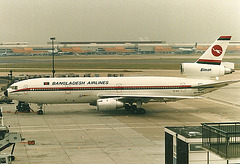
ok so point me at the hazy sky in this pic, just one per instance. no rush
(35, 21)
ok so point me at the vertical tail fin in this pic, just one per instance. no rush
(215, 52)
(195, 46)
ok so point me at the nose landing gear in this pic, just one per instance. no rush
(40, 111)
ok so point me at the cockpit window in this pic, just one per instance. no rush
(14, 87)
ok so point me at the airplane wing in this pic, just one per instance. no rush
(216, 84)
(147, 98)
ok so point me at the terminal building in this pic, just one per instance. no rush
(107, 47)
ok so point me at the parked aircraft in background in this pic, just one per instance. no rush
(4, 54)
(186, 50)
(109, 93)
(55, 51)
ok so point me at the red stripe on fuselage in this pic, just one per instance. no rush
(101, 88)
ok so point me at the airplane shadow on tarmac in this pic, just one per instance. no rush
(91, 111)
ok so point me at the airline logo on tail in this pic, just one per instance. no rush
(215, 52)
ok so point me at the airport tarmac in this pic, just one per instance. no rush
(77, 133)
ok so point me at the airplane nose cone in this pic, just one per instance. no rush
(6, 93)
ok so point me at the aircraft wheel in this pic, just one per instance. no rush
(127, 108)
(138, 111)
(12, 158)
(142, 111)
(135, 111)
(40, 112)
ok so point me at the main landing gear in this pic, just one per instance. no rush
(134, 109)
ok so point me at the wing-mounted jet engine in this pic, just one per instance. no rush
(109, 104)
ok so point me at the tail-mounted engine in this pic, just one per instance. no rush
(206, 70)
(109, 104)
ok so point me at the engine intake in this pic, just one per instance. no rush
(109, 104)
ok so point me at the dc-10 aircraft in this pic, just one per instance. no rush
(109, 93)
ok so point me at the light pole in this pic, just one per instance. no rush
(53, 71)
(10, 78)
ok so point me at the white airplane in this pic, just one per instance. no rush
(55, 51)
(109, 93)
(186, 50)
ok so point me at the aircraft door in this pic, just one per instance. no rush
(183, 89)
(68, 97)
(200, 89)
(68, 89)
(25, 87)
(119, 88)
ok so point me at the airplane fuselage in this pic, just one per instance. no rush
(89, 90)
